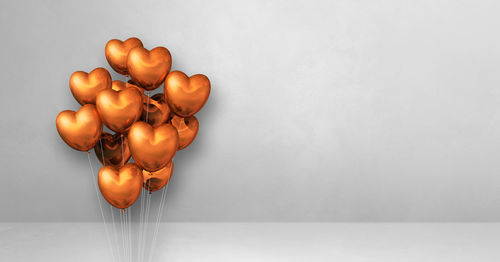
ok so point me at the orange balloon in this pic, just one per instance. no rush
(187, 129)
(154, 181)
(119, 109)
(120, 187)
(80, 130)
(157, 112)
(186, 95)
(152, 147)
(149, 68)
(118, 85)
(109, 150)
(117, 51)
(85, 87)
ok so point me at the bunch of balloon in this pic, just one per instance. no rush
(148, 129)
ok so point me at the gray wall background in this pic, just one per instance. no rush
(320, 110)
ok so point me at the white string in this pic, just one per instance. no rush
(141, 214)
(163, 203)
(115, 233)
(94, 179)
(130, 231)
(123, 159)
(125, 224)
(147, 107)
(145, 216)
(146, 222)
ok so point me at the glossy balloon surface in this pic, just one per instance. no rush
(187, 128)
(157, 112)
(154, 181)
(148, 69)
(119, 109)
(85, 87)
(109, 150)
(152, 147)
(186, 95)
(117, 51)
(120, 187)
(80, 130)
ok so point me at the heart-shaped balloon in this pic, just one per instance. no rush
(119, 109)
(109, 150)
(152, 147)
(149, 68)
(157, 112)
(154, 181)
(80, 130)
(120, 187)
(117, 51)
(118, 85)
(186, 95)
(85, 87)
(187, 128)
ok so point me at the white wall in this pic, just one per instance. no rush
(320, 110)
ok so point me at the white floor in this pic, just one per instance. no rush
(262, 242)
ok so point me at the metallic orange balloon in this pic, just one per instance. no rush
(85, 87)
(152, 147)
(118, 85)
(157, 112)
(149, 68)
(119, 109)
(109, 150)
(117, 51)
(187, 129)
(80, 130)
(186, 95)
(154, 181)
(120, 187)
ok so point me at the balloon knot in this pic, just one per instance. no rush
(124, 210)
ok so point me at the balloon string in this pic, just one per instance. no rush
(153, 242)
(123, 159)
(115, 233)
(127, 215)
(125, 247)
(130, 231)
(158, 219)
(146, 224)
(123, 235)
(94, 179)
(141, 214)
(147, 107)
(102, 152)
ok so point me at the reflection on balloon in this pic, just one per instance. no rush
(187, 129)
(152, 147)
(157, 112)
(118, 85)
(85, 87)
(186, 95)
(120, 187)
(148, 69)
(154, 181)
(117, 51)
(109, 150)
(119, 109)
(80, 130)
